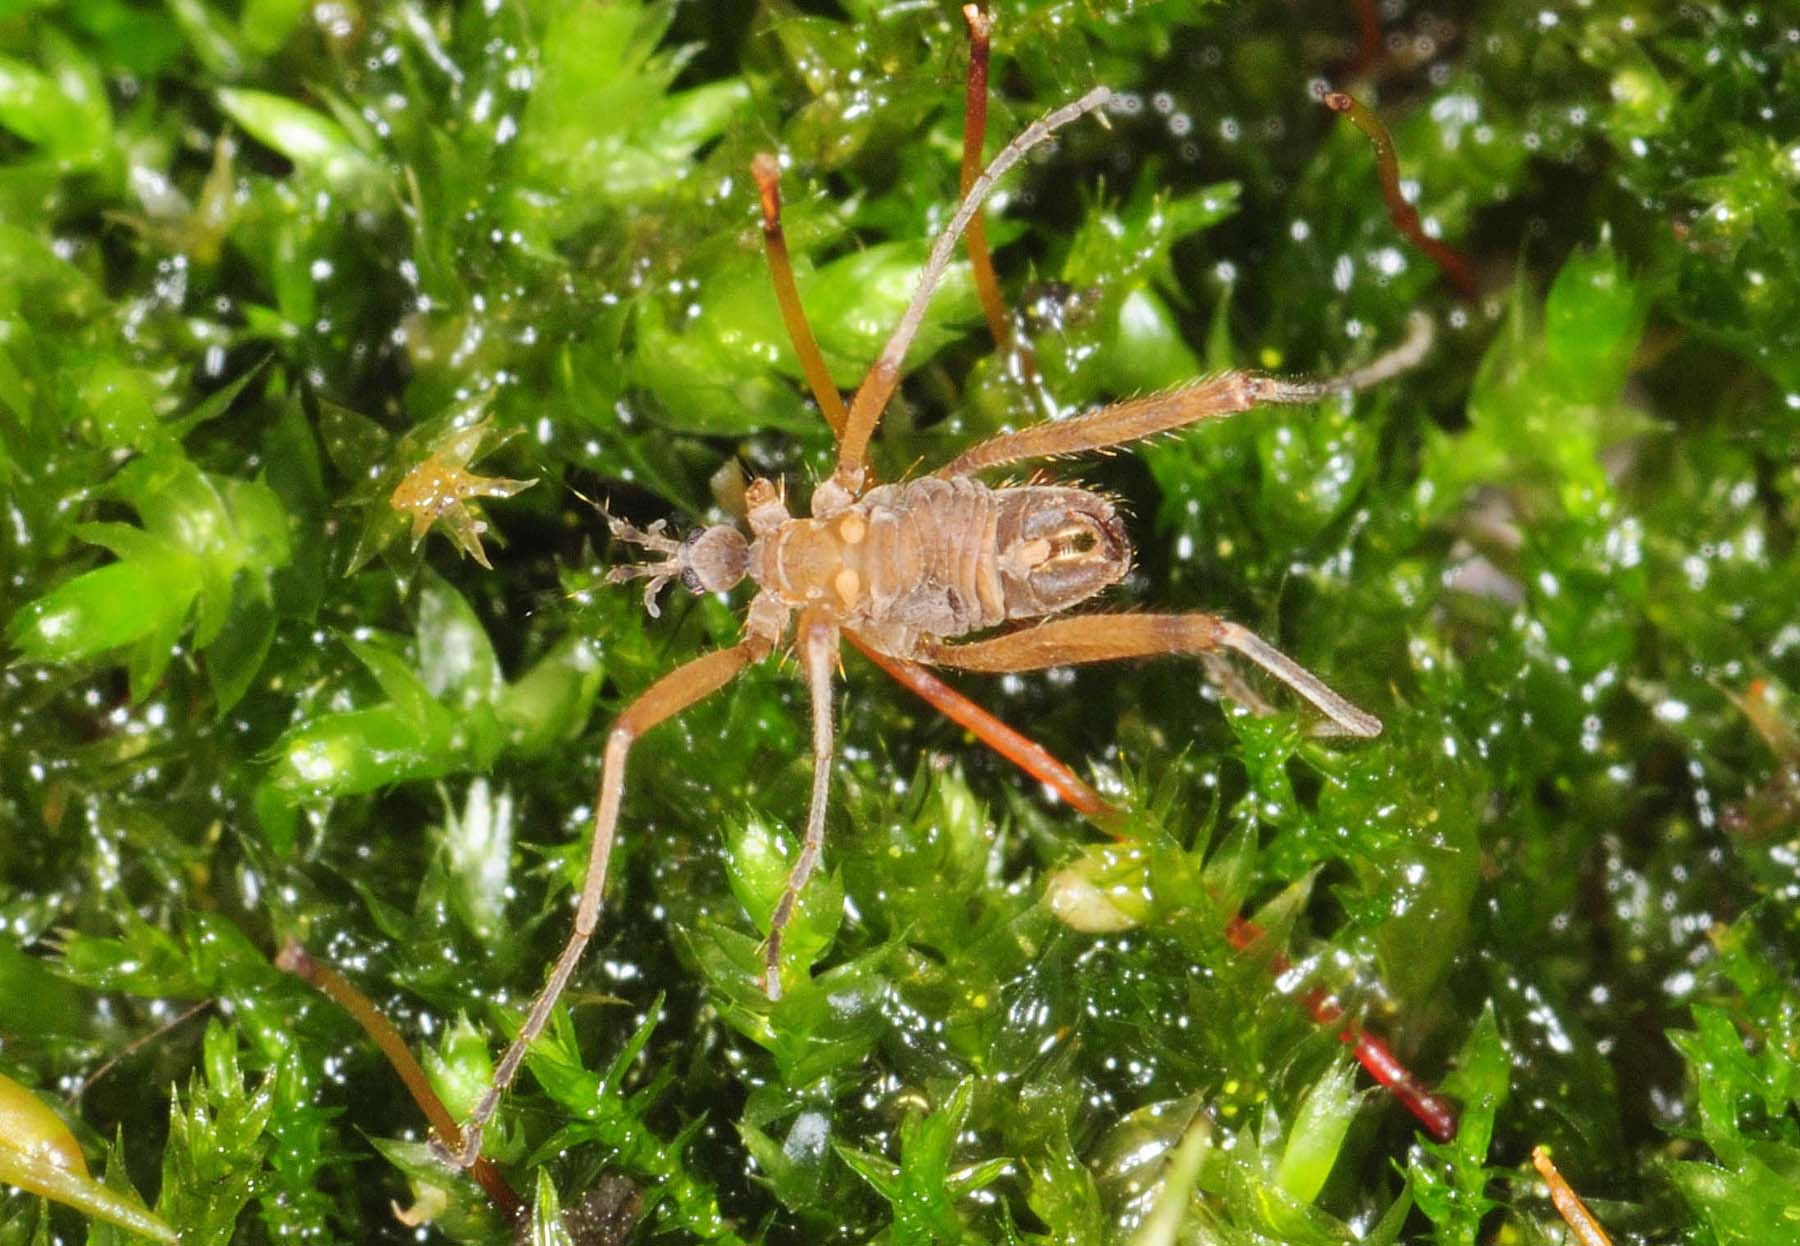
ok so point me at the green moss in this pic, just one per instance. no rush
(259, 257)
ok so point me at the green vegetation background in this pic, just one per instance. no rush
(256, 261)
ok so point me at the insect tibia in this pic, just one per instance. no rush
(1421, 331)
(707, 560)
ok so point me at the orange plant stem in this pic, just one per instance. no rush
(1569, 1206)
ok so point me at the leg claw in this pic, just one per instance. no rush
(465, 1156)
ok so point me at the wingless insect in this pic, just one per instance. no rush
(903, 570)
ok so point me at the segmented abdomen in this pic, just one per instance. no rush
(943, 558)
(930, 562)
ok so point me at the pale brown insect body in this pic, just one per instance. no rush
(906, 570)
(939, 559)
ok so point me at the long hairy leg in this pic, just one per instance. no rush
(975, 109)
(665, 698)
(767, 172)
(818, 640)
(1110, 637)
(884, 374)
(294, 959)
(1014, 745)
(1225, 394)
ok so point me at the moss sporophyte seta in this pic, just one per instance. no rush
(265, 263)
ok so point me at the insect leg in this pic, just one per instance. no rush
(665, 698)
(1225, 394)
(884, 374)
(767, 173)
(1014, 745)
(1109, 637)
(294, 959)
(818, 640)
(975, 109)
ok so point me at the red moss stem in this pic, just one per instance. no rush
(1433, 1111)
(1402, 213)
(1368, 45)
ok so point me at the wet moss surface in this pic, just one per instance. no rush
(264, 261)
